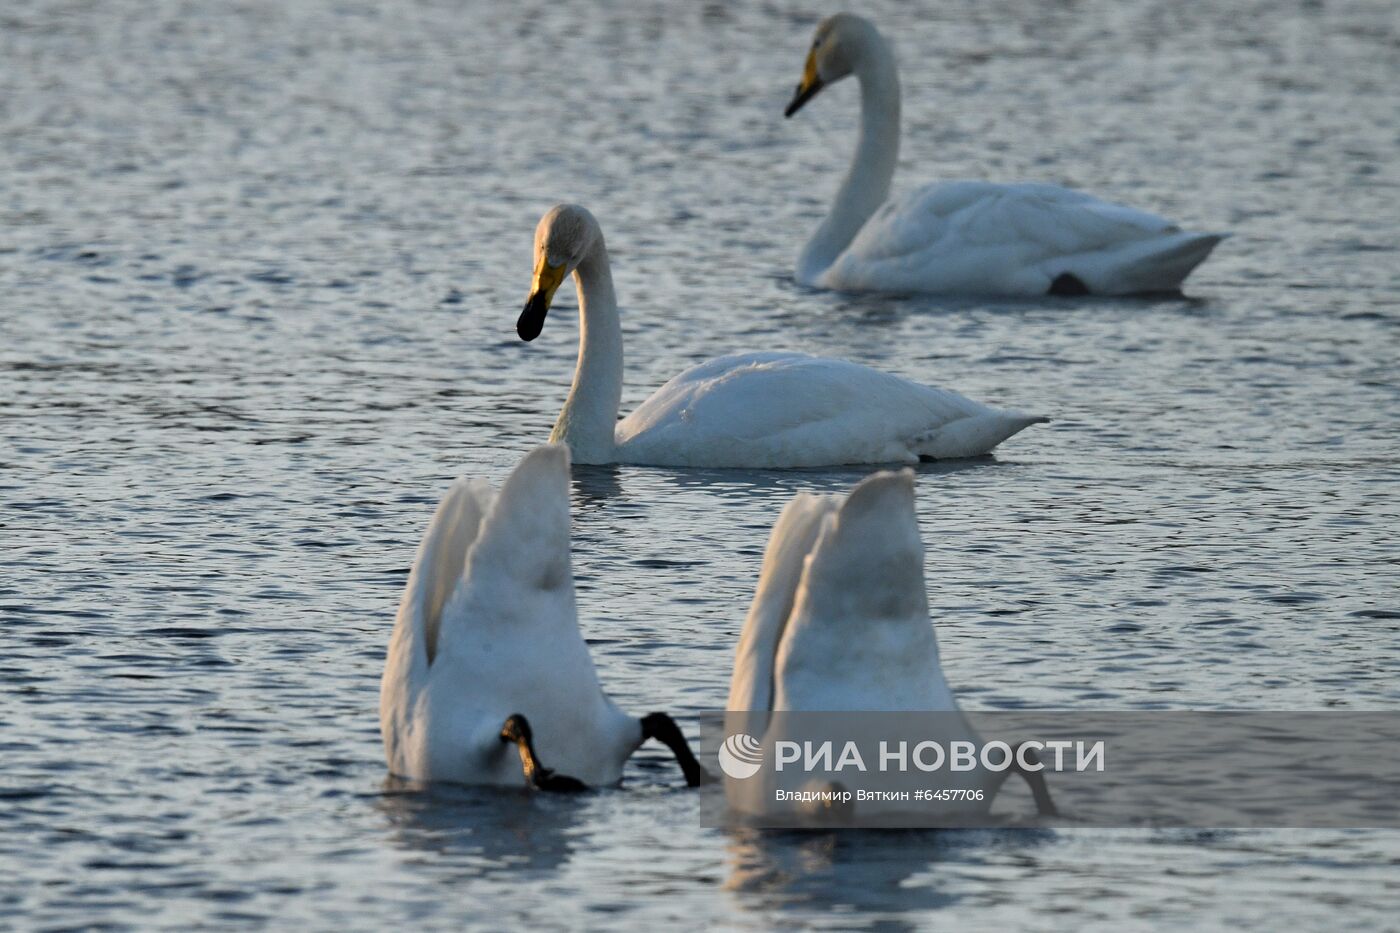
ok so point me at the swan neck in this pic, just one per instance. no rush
(588, 420)
(867, 182)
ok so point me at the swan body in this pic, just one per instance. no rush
(487, 632)
(968, 237)
(840, 623)
(756, 410)
(793, 410)
(977, 238)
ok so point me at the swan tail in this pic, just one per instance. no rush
(525, 537)
(860, 635)
(1156, 265)
(973, 436)
(868, 563)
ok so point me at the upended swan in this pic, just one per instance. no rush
(840, 622)
(967, 237)
(487, 679)
(763, 409)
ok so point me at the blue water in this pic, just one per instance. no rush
(259, 271)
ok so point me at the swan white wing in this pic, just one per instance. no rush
(436, 571)
(793, 410)
(987, 238)
(794, 534)
(859, 637)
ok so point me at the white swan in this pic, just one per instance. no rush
(840, 622)
(487, 675)
(762, 409)
(967, 237)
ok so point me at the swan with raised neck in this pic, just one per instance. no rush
(760, 409)
(569, 239)
(967, 237)
(849, 45)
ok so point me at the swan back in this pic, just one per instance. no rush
(781, 410)
(975, 237)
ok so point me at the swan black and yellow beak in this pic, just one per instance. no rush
(547, 281)
(810, 86)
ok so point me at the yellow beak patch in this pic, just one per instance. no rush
(542, 289)
(811, 84)
(546, 282)
(809, 73)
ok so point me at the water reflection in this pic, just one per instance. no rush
(597, 488)
(873, 872)
(477, 832)
(595, 485)
(864, 871)
(782, 484)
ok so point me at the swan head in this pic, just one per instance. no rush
(564, 236)
(838, 47)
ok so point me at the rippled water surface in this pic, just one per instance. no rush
(260, 265)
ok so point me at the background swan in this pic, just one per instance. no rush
(967, 237)
(763, 409)
(840, 622)
(487, 677)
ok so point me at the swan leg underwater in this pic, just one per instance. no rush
(967, 237)
(840, 622)
(487, 659)
(758, 410)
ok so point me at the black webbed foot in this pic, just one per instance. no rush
(559, 783)
(663, 728)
